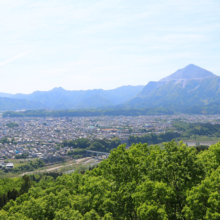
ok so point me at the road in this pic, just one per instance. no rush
(58, 167)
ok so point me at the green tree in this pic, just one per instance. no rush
(178, 167)
(203, 201)
(151, 199)
(96, 146)
(26, 184)
(115, 142)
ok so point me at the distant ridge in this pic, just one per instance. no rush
(59, 98)
(186, 88)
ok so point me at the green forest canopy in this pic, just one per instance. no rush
(200, 129)
(141, 182)
(12, 125)
(152, 138)
(80, 113)
(103, 145)
(182, 130)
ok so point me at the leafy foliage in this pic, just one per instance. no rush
(153, 138)
(30, 166)
(4, 140)
(81, 144)
(142, 182)
(22, 156)
(12, 125)
(190, 129)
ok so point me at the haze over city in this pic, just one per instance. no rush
(103, 44)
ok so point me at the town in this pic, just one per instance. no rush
(42, 137)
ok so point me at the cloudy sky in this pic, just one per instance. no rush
(104, 44)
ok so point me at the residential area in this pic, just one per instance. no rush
(42, 137)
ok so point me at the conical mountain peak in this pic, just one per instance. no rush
(189, 72)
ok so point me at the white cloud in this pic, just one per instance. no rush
(13, 58)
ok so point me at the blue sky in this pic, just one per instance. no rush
(104, 44)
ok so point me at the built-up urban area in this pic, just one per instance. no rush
(41, 137)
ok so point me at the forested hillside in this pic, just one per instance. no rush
(188, 90)
(18, 104)
(141, 182)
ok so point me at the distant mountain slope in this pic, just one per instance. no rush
(122, 94)
(18, 104)
(59, 98)
(7, 95)
(186, 87)
(94, 102)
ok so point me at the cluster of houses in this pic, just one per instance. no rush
(6, 165)
(41, 137)
(47, 153)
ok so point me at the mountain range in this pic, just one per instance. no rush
(59, 98)
(187, 87)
